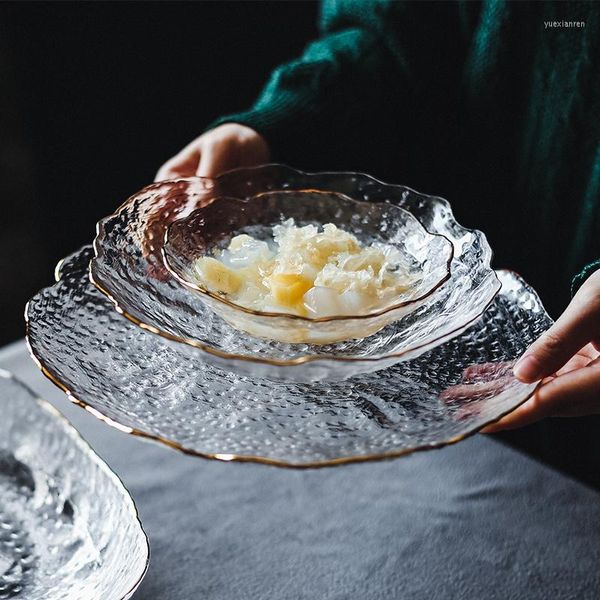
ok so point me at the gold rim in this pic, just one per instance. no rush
(245, 458)
(260, 313)
(93, 455)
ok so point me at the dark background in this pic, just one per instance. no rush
(94, 97)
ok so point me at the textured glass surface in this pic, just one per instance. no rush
(129, 269)
(68, 527)
(425, 259)
(166, 391)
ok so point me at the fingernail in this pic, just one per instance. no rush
(527, 369)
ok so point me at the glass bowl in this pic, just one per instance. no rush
(128, 268)
(68, 527)
(425, 258)
(148, 386)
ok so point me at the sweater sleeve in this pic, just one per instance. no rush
(355, 94)
(583, 275)
(336, 85)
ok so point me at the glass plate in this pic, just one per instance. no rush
(68, 527)
(128, 268)
(149, 386)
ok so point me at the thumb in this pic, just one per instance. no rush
(579, 324)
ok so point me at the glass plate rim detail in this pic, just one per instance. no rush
(70, 430)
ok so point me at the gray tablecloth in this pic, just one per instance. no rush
(476, 520)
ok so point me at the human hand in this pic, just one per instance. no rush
(566, 359)
(223, 148)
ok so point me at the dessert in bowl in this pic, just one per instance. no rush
(307, 266)
(128, 267)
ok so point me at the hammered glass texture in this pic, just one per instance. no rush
(166, 391)
(425, 260)
(128, 268)
(68, 527)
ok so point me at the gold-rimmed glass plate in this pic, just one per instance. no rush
(146, 385)
(128, 268)
(68, 527)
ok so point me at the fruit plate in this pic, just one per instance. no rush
(68, 527)
(149, 386)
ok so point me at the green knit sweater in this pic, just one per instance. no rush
(494, 105)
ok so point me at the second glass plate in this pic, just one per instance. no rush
(148, 386)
